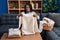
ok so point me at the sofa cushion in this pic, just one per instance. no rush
(4, 28)
(57, 30)
(55, 17)
(9, 19)
(42, 15)
(51, 35)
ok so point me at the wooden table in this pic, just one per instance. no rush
(28, 37)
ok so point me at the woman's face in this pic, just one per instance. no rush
(27, 8)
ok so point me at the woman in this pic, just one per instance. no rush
(28, 9)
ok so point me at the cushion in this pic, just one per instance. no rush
(51, 35)
(42, 15)
(57, 30)
(4, 28)
(55, 17)
(9, 19)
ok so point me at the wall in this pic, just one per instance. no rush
(3, 6)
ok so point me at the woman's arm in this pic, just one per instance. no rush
(20, 14)
(35, 15)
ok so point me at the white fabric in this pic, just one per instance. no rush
(41, 25)
(20, 22)
(50, 22)
(29, 24)
(15, 31)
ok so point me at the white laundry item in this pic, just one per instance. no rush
(14, 32)
(29, 24)
(50, 22)
(41, 25)
(20, 22)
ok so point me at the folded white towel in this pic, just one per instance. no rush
(14, 32)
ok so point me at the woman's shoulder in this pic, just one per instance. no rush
(33, 12)
(23, 12)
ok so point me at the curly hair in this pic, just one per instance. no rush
(29, 7)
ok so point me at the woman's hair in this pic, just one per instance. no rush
(29, 7)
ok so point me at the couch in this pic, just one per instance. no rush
(54, 34)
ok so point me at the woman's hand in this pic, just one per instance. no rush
(35, 15)
(20, 14)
